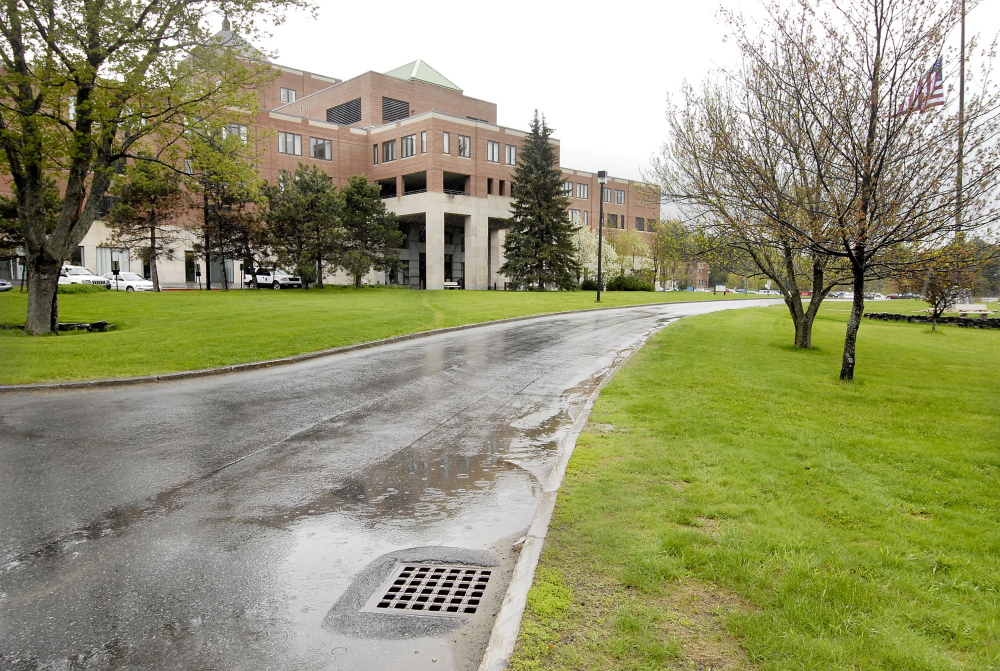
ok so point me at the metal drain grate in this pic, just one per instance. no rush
(431, 589)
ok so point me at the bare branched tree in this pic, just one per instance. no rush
(814, 148)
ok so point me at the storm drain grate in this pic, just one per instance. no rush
(431, 589)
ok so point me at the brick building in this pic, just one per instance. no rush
(444, 164)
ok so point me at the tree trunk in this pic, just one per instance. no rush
(850, 341)
(43, 306)
(153, 253)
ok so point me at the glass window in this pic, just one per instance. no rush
(574, 216)
(640, 224)
(408, 146)
(619, 197)
(235, 130)
(465, 146)
(606, 194)
(493, 151)
(189, 265)
(583, 191)
(290, 143)
(612, 221)
(586, 218)
(447, 143)
(374, 154)
(511, 155)
(388, 151)
(423, 142)
(568, 189)
(287, 95)
(319, 148)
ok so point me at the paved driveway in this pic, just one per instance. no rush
(226, 522)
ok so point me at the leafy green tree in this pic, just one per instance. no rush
(302, 224)
(12, 241)
(150, 196)
(540, 248)
(371, 233)
(222, 171)
(85, 84)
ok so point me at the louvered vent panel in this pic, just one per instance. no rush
(345, 114)
(394, 110)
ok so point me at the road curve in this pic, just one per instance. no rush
(215, 522)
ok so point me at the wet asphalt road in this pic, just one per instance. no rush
(214, 523)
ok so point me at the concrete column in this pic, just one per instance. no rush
(435, 249)
(477, 251)
(495, 261)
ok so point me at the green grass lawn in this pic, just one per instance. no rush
(732, 505)
(189, 330)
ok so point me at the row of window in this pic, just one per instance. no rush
(583, 192)
(580, 217)
(408, 147)
(291, 143)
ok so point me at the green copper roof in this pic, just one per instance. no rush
(420, 71)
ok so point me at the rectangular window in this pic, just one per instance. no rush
(586, 217)
(640, 224)
(493, 151)
(423, 142)
(374, 154)
(501, 191)
(290, 143)
(607, 194)
(489, 186)
(388, 151)
(408, 146)
(568, 189)
(612, 221)
(320, 148)
(235, 130)
(287, 95)
(574, 216)
(619, 197)
(583, 191)
(446, 139)
(511, 155)
(465, 146)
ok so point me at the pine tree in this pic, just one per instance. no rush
(371, 233)
(539, 247)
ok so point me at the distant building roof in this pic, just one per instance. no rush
(233, 41)
(420, 71)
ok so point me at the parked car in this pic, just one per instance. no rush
(5, 285)
(275, 279)
(128, 282)
(79, 275)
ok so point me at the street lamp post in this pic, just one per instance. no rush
(602, 179)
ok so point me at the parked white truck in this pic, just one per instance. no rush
(272, 278)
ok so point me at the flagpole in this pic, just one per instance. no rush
(961, 126)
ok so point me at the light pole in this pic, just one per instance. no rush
(602, 178)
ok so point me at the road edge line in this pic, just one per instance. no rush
(507, 625)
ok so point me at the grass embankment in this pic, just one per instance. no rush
(731, 505)
(189, 330)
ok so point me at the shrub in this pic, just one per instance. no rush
(81, 288)
(588, 285)
(628, 283)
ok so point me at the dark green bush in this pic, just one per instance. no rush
(588, 285)
(81, 288)
(628, 283)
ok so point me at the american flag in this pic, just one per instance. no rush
(927, 92)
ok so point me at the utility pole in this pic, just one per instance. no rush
(602, 178)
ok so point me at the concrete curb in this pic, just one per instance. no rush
(508, 620)
(254, 365)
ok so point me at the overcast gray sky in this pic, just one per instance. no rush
(600, 72)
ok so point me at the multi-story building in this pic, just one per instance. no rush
(444, 164)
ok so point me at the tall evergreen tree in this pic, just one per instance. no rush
(539, 247)
(371, 233)
(302, 222)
